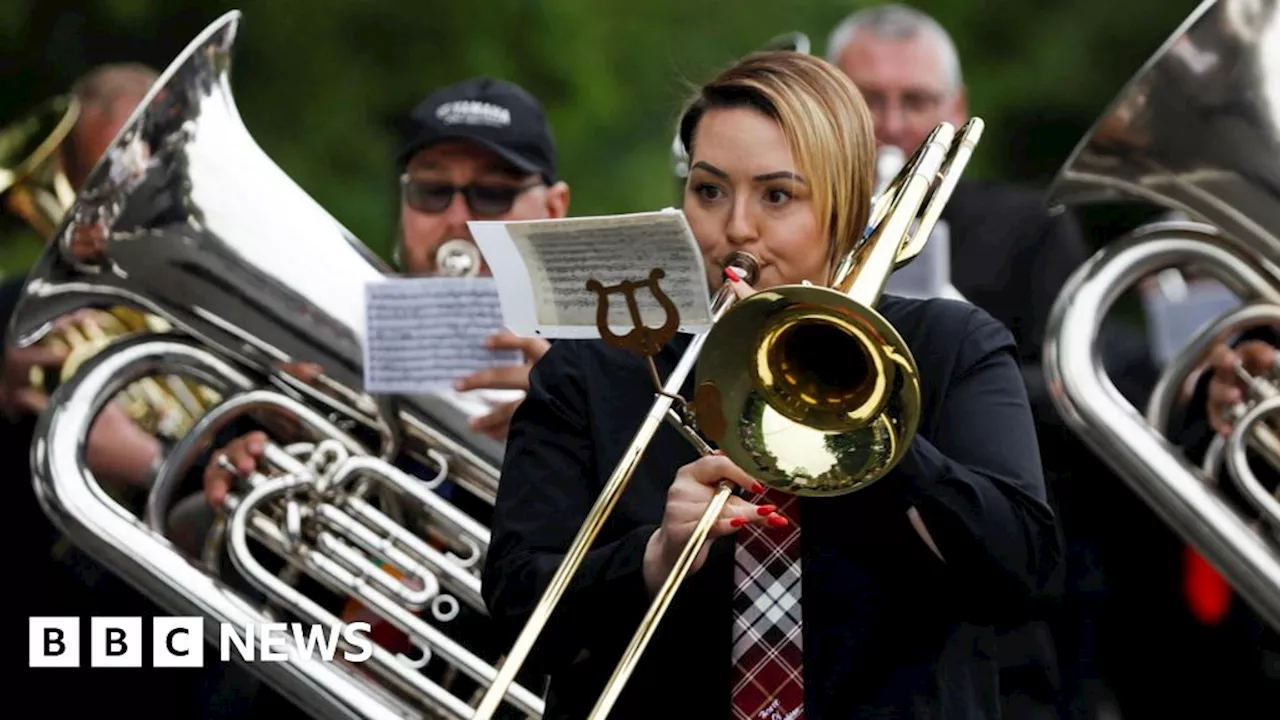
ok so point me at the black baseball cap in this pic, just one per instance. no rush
(495, 114)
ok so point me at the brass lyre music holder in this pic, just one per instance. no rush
(647, 341)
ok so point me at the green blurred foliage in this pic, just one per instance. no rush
(320, 82)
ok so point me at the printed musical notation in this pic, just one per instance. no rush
(423, 334)
(543, 266)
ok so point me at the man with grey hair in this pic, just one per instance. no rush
(907, 68)
(1011, 257)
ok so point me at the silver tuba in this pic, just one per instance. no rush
(187, 218)
(1197, 130)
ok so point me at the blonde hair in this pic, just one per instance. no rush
(826, 123)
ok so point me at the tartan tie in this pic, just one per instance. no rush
(768, 656)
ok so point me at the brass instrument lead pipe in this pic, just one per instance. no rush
(863, 280)
(603, 507)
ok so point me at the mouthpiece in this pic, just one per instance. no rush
(745, 264)
(458, 258)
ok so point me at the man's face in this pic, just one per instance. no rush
(432, 213)
(92, 137)
(905, 87)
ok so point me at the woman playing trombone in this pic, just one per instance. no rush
(903, 580)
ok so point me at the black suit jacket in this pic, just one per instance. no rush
(889, 630)
(1011, 256)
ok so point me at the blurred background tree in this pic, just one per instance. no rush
(321, 83)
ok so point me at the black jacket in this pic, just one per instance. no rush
(890, 631)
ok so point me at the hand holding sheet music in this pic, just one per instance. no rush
(424, 334)
(543, 268)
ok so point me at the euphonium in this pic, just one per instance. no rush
(187, 219)
(809, 389)
(1194, 130)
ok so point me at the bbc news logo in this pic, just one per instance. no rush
(179, 642)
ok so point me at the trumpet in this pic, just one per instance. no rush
(763, 389)
(1195, 137)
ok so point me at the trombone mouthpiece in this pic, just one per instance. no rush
(745, 263)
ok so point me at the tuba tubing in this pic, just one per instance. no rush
(75, 502)
(157, 227)
(1192, 131)
(131, 549)
(1152, 466)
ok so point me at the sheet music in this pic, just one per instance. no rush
(542, 268)
(1172, 321)
(423, 334)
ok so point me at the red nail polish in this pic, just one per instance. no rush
(733, 274)
(737, 522)
(757, 488)
(777, 521)
(766, 509)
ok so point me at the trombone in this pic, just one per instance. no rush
(763, 374)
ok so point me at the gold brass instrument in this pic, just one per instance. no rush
(31, 177)
(187, 219)
(768, 396)
(1193, 131)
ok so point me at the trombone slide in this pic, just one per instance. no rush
(661, 601)
(938, 160)
(597, 516)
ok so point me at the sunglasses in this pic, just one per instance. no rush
(434, 197)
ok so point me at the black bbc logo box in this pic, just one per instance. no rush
(59, 642)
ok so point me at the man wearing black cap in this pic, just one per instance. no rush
(478, 150)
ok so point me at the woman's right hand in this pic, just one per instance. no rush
(243, 454)
(687, 500)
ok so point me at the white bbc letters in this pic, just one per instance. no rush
(177, 642)
(115, 642)
(53, 642)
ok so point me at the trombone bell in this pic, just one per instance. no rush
(810, 389)
(828, 398)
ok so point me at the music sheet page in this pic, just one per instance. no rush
(543, 268)
(423, 334)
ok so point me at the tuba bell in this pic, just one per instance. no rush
(36, 190)
(186, 218)
(1193, 131)
(769, 394)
